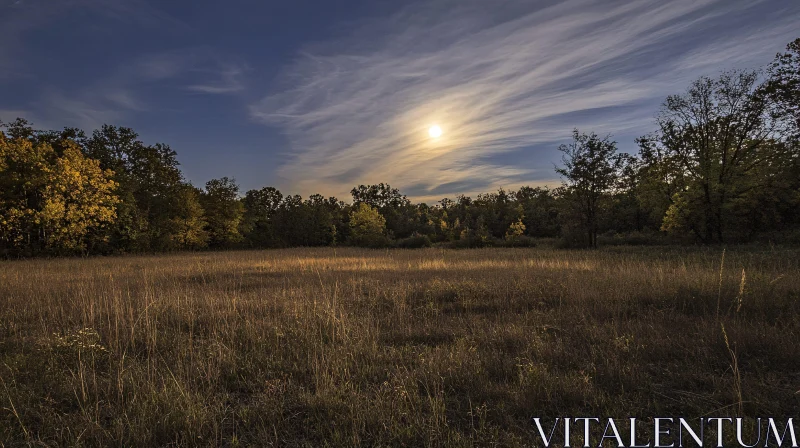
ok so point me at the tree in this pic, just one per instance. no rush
(659, 178)
(474, 233)
(61, 140)
(289, 221)
(402, 219)
(367, 226)
(257, 225)
(498, 211)
(379, 196)
(24, 171)
(19, 129)
(187, 224)
(79, 197)
(223, 212)
(50, 202)
(713, 140)
(150, 184)
(539, 211)
(591, 169)
(515, 230)
(625, 211)
(313, 222)
(783, 88)
(321, 214)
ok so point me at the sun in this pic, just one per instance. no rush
(435, 131)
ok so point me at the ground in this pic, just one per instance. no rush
(431, 347)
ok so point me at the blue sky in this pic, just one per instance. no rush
(319, 96)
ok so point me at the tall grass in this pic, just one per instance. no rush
(430, 347)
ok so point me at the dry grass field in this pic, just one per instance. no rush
(347, 347)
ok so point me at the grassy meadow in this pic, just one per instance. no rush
(348, 347)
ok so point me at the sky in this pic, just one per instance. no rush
(320, 96)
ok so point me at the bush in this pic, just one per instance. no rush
(520, 241)
(572, 239)
(415, 241)
(634, 238)
(370, 241)
(788, 238)
(470, 242)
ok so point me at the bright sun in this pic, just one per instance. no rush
(435, 131)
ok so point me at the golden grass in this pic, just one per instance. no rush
(344, 347)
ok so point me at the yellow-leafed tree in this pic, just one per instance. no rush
(24, 169)
(78, 198)
(51, 202)
(367, 226)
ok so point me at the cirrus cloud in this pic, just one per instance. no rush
(514, 78)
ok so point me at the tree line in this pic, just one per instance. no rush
(722, 165)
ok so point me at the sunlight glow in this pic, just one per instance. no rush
(435, 131)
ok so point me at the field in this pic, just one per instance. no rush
(345, 347)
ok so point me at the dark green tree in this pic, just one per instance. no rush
(258, 219)
(591, 169)
(223, 212)
(712, 141)
(783, 88)
(401, 217)
(539, 210)
(150, 185)
(187, 224)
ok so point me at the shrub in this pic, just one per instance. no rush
(520, 241)
(634, 238)
(471, 241)
(415, 241)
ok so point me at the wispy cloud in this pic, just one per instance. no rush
(228, 80)
(125, 90)
(9, 115)
(497, 78)
(111, 92)
(87, 112)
